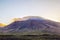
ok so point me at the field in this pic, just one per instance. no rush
(29, 37)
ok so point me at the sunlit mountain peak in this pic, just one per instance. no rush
(32, 17)
(25, 18)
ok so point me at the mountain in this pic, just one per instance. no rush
(32, 25)
(15, 19)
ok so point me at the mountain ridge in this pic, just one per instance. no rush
(33, 25)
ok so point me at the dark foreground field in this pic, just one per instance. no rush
(29, 37)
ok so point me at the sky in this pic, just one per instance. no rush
(19, 8)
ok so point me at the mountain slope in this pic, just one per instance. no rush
(33, 25)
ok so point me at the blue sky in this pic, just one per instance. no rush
(19, 8)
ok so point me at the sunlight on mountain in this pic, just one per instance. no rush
(15, 19)
(26, 17)
(2, 24)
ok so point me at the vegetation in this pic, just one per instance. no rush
(30, 37)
